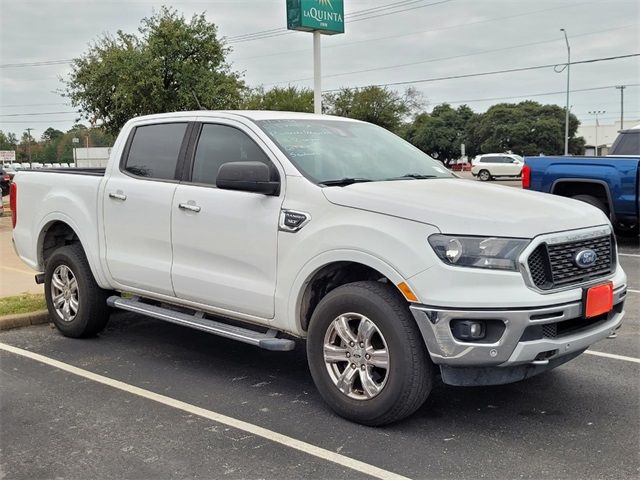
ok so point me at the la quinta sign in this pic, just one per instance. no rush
(323, 16)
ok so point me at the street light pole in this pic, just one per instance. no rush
(596, 113)
(317, 73)
(621, 88)
(566, 116)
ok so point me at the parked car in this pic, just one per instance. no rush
(47, 165)
(496, 165)
(56, 165)
(610, 183)
(6, 176)
(16, 166)
(329, 229)
(26, 165)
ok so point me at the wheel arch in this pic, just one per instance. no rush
(570, 187)
(331, 270)
(57, 231)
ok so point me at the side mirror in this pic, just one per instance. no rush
(248, 177)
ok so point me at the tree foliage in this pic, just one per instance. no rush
(171, 64)
(526, 128)
(441, 133)
(379, 105)
(290, 99)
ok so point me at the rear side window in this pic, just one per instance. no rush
(220, 144)
(155, 149)
(627, 143)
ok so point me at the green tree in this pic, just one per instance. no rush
(380, 105)
(8, 141)
(171, 65)
(441, 132)
(290, 99)
(526, 128)
(51, 134)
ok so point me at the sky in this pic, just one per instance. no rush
(415, 40)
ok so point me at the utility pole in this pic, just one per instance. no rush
(621, 88)
(29, 142)
(596, 113)
(566, 116)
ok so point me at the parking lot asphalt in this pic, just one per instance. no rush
(581, 420)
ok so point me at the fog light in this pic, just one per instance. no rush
(468, 329)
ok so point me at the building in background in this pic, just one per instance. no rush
(606, 135)
(92, 157)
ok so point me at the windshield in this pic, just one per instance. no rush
(331, 150)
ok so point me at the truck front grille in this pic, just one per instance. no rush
(553, 265)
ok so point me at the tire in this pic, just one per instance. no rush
(596, 202)
(91, 311)
(484, 175)
(402, 387)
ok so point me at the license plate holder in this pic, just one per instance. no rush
(598, 300)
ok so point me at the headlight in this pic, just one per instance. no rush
(479, 252)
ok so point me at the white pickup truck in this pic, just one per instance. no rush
(263, 226)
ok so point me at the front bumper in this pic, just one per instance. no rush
(522, 341)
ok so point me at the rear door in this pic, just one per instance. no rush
(225, 241)
(137, 207)
(511, 167)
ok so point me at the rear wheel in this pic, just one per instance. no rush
(484, 175)
(366, 355)
(76, 304)
(596, 202)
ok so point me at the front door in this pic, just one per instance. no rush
(137, 209)
(224, 241)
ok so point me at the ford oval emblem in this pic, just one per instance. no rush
(586, 258)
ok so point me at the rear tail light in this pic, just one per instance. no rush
(13, 202)
(526, 176)
(6, 178)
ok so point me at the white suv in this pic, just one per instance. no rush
(495, 165)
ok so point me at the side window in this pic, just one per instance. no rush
(508, 160)
(155, 149)
(220, 144)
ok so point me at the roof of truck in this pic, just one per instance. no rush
(250, 114)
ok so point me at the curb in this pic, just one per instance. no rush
(24, 320)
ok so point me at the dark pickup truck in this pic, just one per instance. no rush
(611, 183)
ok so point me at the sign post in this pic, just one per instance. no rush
(322, 17)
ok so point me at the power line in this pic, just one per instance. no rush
(449, 27)
(438, 59)
(284, 31)
(32, 104)
(350, 14)
(488, 99)
(33, 113)
(481, 74)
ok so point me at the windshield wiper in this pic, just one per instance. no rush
(417, 176)
(343, 182)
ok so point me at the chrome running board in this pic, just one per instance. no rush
(266, 340)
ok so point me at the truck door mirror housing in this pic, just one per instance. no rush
(248, 177)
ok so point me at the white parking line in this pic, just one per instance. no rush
(628, 255)
(611, 355)
(290, 442)
(632, 290)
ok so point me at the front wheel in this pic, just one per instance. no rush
(366, 355)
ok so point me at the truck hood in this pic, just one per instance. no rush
(469, 207)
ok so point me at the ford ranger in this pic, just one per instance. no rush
(266, 226)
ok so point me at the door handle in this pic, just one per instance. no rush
(189, 206)
(118, 196)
